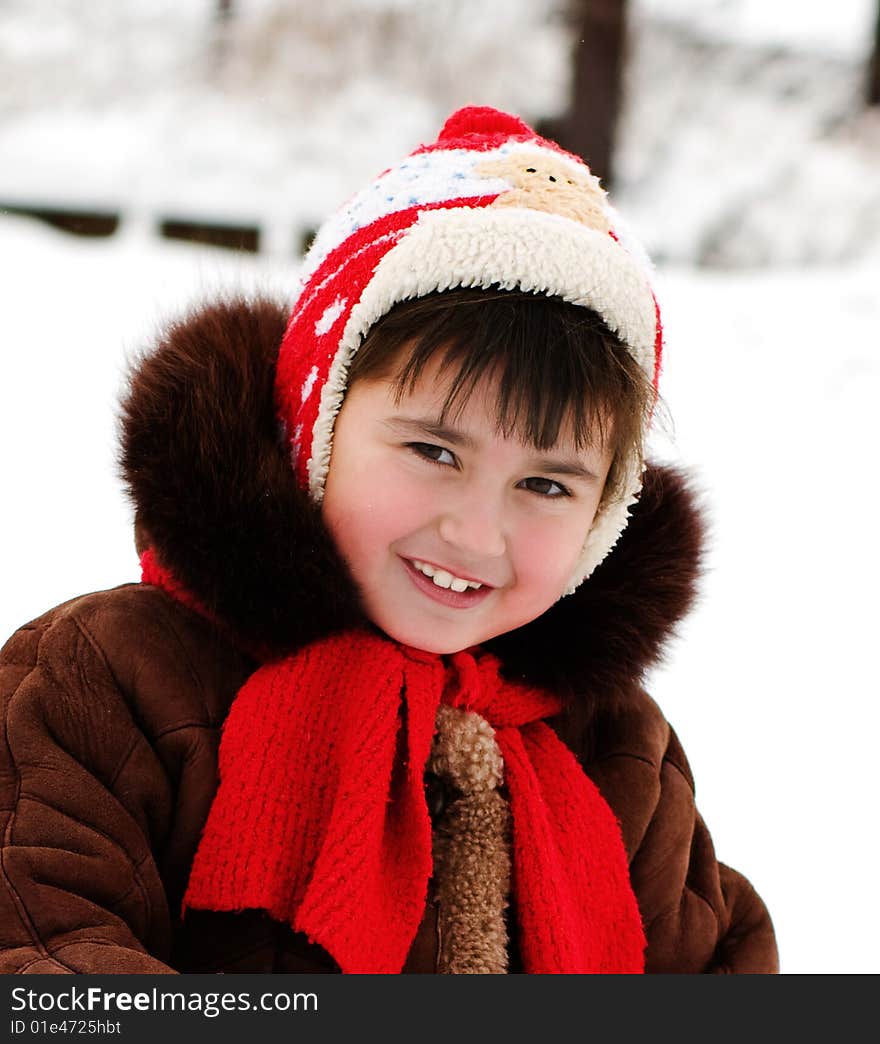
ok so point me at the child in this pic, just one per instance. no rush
(421, 615)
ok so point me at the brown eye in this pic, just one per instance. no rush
(428, 451)
(545, 487)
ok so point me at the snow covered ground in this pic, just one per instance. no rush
(771, 381)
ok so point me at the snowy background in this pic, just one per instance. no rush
(752, 171)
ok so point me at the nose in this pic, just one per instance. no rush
(474, 527)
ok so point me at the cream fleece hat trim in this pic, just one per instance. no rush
(489, 204)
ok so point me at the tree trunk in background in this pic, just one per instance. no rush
(223, 11)
(874, 67)
(588, 128)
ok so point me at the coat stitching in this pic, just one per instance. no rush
(21, 908)
(47, 957)
(42, 664)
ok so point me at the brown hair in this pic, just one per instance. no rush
(554, 361)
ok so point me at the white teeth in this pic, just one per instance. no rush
(443, 579)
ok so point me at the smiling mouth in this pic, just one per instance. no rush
(443, 578)
(473, 593)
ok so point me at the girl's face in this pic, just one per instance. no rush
(454, 533)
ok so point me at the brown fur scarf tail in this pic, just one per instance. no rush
(471, 846)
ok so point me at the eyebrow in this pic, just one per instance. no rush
(571, 467)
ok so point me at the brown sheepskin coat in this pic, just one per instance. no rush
(113, 702)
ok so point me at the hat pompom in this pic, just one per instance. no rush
(482, 120)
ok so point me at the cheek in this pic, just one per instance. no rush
(546, 555)
(369, 518)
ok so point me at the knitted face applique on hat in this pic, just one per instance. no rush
(542, 181)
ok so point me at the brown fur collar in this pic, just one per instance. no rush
(214, 495)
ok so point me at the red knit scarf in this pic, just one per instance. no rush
(321, 820)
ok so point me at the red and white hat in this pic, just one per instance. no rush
(489, 203)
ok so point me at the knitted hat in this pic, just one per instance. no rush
(490, 203)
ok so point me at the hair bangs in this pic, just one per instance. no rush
(558, 371)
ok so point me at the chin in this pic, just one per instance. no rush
(430, 642)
